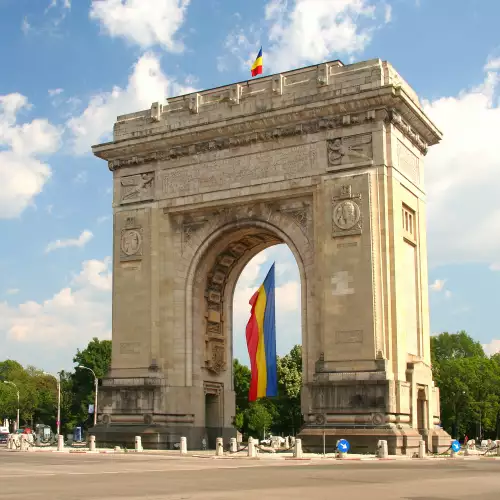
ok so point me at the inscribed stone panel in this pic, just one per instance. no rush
(258, 168)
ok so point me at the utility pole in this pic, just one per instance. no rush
(17, 390)
(96, 383)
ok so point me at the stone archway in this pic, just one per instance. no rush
(328, 159)
(219, 251)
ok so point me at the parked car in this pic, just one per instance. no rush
(3, 437)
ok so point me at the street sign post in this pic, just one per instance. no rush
(343, 446)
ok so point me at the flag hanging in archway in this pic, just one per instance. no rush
(261, 340)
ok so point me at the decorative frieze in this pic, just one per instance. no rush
(408, 131)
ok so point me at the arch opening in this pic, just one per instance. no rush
(218, 325)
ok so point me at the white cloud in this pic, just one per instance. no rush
(145, 23)
(81, 177)
(12, 291)
(103, 218)
(492, 348)
(463, 175)
(301, 32)
(146, 84)
(22, 174)
(80, 242)
(71, 317)
(25, 26)
(54, 92)
(313, 30)
(447, 294)
(65, 4)
(495, 266)
(493, 64)
(387, 13)
(438, 285)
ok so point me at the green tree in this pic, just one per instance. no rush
(469, 384)
(260, 419)
(241, 378)
(289, 388)
(97, 357)
(454, 345)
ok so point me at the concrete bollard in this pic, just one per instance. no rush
(297, 452)
(233, 445)
(421, 449)
(251, 448)
(9, 443)
(138, 444)
(184, 446)
(24, 442)
(466, 451)
(219, 447)
(287, 442)
(60, 442)
(92, 443)
(382, 450)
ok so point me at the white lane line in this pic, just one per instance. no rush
(121, 471)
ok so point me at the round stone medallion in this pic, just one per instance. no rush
(131, 242)
(346, 214)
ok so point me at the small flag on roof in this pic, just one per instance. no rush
(257, 65)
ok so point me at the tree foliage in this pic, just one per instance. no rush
(469, 384)
(280, 415)
(38, 390)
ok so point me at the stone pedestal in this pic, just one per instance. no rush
(403, 441)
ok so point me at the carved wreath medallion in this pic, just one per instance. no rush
(131, 242)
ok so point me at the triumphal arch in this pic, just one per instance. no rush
(327, 159)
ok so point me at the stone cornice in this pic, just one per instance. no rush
(386, 103)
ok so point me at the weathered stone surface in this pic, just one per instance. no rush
(327, 159)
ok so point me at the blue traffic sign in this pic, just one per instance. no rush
(343, 446)
(455, 446)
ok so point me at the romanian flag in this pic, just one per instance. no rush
(257, 65)
(261, 341)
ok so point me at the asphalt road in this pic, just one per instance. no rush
(138, 477)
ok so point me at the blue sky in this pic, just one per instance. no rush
(69, 68)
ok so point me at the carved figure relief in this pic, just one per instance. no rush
(131, 240)
(347, 217)
(137, 187)
(346, 214)
(351, 149)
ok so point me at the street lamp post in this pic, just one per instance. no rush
(58, 380)
(17, 390)
(96, 381)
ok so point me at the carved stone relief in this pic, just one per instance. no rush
(131, 240)
(348, 150)
(215, 341)
(347, 216)
(367, 397)
(134, 188)
(240, 171)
